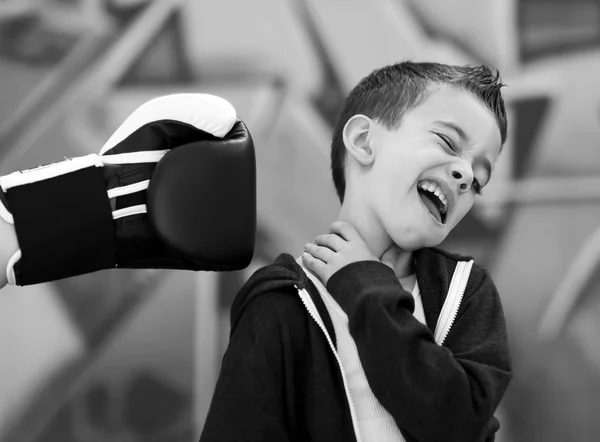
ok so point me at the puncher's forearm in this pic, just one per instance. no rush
(9, 245)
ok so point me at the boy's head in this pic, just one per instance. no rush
(414, 143)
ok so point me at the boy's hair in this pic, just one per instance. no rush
(387, 93)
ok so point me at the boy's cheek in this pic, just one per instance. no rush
(460, 212)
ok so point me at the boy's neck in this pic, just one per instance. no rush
(399, 260)
(379, 242)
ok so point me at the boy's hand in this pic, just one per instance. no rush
(330, 252)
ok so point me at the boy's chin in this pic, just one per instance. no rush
(429, 239)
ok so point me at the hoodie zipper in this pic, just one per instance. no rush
(446, 319)
(450, 308)
(312, 311)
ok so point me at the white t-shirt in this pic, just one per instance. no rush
(410, 285)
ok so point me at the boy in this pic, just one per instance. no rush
(345, 342)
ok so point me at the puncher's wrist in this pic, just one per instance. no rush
(62, 219)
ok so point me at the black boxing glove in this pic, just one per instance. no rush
(173, 188)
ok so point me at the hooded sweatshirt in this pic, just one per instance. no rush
(281, 379)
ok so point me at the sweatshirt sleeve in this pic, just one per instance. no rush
(248, 402)
(434, 392)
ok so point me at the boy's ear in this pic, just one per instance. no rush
(357, 139)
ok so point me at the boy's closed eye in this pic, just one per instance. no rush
(448, 143)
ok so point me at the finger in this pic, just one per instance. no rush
(346, 230)
(332, 241)
(323, 253)
(314, 264)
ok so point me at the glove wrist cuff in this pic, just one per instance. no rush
(62, 219)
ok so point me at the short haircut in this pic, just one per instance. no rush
(387, 93)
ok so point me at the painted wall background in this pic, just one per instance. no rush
(133, 355)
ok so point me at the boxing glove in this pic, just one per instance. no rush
(174, 187)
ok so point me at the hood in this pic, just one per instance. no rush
(435, 268)
(283, 272)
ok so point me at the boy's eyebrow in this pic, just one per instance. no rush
(456, 128)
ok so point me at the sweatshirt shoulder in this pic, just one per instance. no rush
(449, 256)
(480, 279)
(451, 259)
(278, 314)
(273, 302)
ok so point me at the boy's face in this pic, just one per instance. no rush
(448, 144)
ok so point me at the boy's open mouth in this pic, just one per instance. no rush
(435, 205)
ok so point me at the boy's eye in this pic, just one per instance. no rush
(447, 141)
(477, 187)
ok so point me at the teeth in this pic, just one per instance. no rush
(434, 188)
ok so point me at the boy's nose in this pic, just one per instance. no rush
(464, 178)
